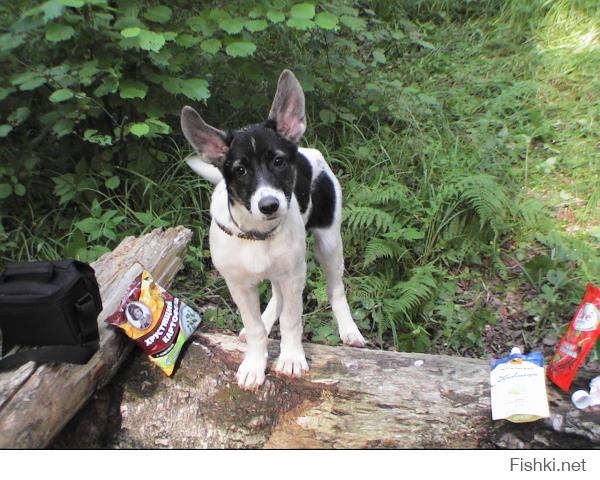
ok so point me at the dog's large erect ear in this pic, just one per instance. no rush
(288, 107)
(208, 141)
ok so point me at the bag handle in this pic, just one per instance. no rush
(40, 271)
(77, 354)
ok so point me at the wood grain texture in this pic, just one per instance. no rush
(37, 401)
(353, 398)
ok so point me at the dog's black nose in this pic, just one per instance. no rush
(268, 205)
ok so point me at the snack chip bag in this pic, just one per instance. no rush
(157, 321)
(578, 341)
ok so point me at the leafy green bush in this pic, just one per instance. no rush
(91, 91)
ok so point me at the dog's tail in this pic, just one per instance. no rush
(205, 170)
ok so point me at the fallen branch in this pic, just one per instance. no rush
(353, 398)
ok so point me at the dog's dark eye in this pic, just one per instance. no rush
(240, 170)
(278, 161)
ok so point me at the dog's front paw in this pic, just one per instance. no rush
(292, 364)
(251, 373)
(353, 337)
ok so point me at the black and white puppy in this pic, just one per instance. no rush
(268, 194)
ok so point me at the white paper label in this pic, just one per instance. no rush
(588, 317)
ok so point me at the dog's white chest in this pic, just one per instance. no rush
(256, 260)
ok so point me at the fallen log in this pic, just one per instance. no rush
(353, 398)
(36, 401)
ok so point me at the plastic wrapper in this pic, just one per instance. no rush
(518, 387)
(578, 341)
(157, 321)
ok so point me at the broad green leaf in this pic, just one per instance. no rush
(127, 22)
(5, 92)
(303, 11)
(6, 190)
(131, 32)
(240, 49)
(232, 25)
(212, 45)
(19, 115)
(139, 129)
(88, 71)
(186, 40)
(32, 83)
(218, 14)
(412, 234)
(379, 56)
(195, 88)
(355, 62)
(61, 95)
(158, 126)
(72, 3)
(162, 58)
(327, 116)
(170, 84)
(133, 89)
(59, 71)
(256, 12)
(144, 217)
(202, 25)
(52, 10)
(30, 163)
(110, 85)
(5, 130)
(63, 127)
(150, 40)
(88, 225)
(275, 16)
(300, 23)
(58, 32)
(91, 135)
(19, 189)
(10, 41)
(158, 14)
(353, 23)
(28, 80)
(256, 25)
(327, 20)
(112, 182)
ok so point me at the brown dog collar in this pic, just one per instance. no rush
(247, 235)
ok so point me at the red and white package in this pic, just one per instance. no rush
(578, 341)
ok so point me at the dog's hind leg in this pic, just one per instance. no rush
(271, 313)
(329, 252)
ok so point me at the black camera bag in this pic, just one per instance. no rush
(52, 306)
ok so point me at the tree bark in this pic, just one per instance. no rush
(353, 398)
(36, 401)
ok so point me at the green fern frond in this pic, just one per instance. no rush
(377, 248)
(381, 194)
(360, 218)
(372, 287)
(488, 199)
(408, 295)
(531, 211)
